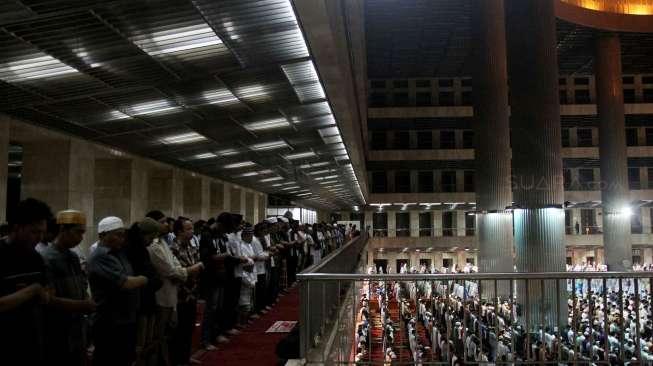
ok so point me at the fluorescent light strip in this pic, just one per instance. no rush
(227, 152)
(304, 80)
(267, 124)
(155, 107)
(176, 40)
(183, 138)
(247, 174)
(291, 187)
(204, 156)
(314, 165)
(272, 179)
(272, 145)
(301, 155)
(222, 97)
(241, 164)
(38, 66)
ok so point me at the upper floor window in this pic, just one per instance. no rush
(379, 140)
(447, 139)
(379, 182)
(425, 181)
(468, 139)
(425, 140)
(631, 137)
(402, 181)
(584, 137)
(449, 181)
(401, 140)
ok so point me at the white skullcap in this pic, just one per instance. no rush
(109, 224)
(271, 220)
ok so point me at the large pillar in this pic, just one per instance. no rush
(492, 131)
(414, 223)
(612, 151)
(392, 223)
(536, 156)
(60, 172)
(4, 171)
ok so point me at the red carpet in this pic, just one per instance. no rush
(253, 346)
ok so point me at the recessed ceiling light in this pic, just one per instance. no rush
(304, 80)
(227, 152)
(204, 156)
(288, 188)
(300, 155)
(246, 174)
(272, 179)
(183, 138)
(267, 124)
(222, 97)
(38, 66)
(241, 164)
(176, 40)
(155, 107)
(317, 172)
(314, 165)
(272, 145)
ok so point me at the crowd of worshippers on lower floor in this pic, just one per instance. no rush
(602, 328)
(134, 298)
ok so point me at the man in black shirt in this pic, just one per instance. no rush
(23, 285)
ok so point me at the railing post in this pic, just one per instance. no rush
(304, 323)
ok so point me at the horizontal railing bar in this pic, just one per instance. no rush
(472, 276)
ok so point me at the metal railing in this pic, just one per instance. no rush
(599, 318)
(321, 302)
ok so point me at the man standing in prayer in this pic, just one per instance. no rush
(66, 322)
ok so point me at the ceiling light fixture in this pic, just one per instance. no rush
(183, 138)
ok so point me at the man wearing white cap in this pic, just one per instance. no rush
(114, 288)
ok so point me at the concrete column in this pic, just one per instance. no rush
(139, 189)
(414, 223)
(437, 222)
(256, 212)
(4, 171)
(249, 207)
(573, 135)
(177, 193)
(192, 196)
(243, 202)
(60, 172)
(460, 222)
(205, 206)
(460, 181)
(392, 224)
(113, 190)
(263, 207)
(646, 220)
(612, 149)
(537, 155)
(491, 130)
(414, 186)
(161, 190)
(643, 177)
(575, 218)
(226, 206)
(368, 221)
(217, 198)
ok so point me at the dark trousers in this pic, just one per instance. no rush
(231, 296)
(273, 288)
(115, 344)
(291, 263)
(181, 343)
(212, 323)
(260, 296)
